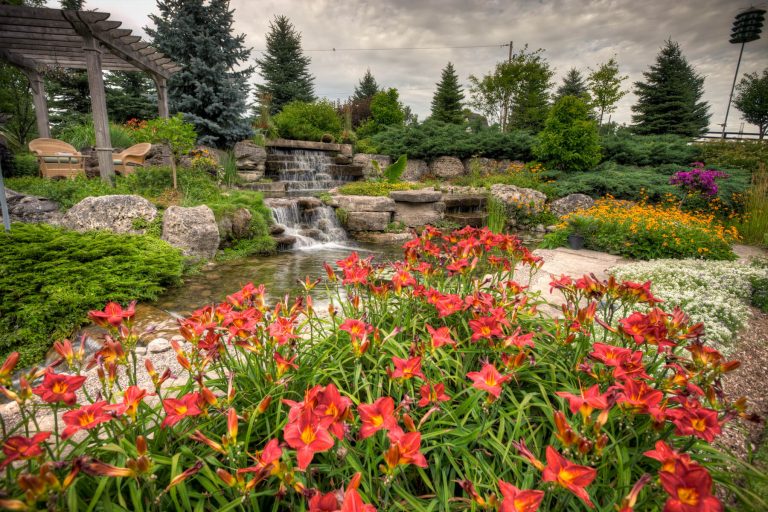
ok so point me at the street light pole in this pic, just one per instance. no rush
(733, 86)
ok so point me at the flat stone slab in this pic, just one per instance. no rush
(419, 214)
(307, 144)
(423, 195)
(464, 200)
(365, 203)
(368, 221)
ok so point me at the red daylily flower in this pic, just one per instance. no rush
(333, 409)
(489, 379)
(57, 387)
(283, 364)
(638, 396)
(176, 409)
(667, 456)
(631, 367)
(352, 501)
(695, 421)
(282, 330)
(690, 490)
(406, 368)
(585, 402)
(518, 340)
(405, 449)
(113, 314)
(518, 500)
(377, 416)
(569, 475)
(401, 279)
(8, 365)
(628, 503)
(266, 460)
(485, 327)
(440, 337)
(23, 448)
(130, 405)
(328, 502)
(433, 394)
(84, 418)
(357, 329)
(307, 437)
(610, 355)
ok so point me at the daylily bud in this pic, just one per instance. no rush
(264, 405)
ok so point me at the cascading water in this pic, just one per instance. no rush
(305, 222)
(307, 171)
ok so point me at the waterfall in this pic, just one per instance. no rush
(307, 171)
(303, 222)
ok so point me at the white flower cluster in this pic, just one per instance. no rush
(714, 292)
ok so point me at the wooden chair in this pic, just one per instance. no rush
(134, 156)
(56, 158)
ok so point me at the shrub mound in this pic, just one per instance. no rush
(645, 232)
(431, 384)
(308, 121)
(50, 278)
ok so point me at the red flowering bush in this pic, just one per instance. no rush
(431, 384)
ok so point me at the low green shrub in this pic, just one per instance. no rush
(83, 135)
(308, 121)
(50, 278)
(754, 222)
(744, 154)
(375, 188)
(517, 174)
(626, 148)
(65, 192)
(24, 164)
(714, 292)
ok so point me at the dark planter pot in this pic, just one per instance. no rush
(576, 241)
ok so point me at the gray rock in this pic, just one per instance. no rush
(158, 345)
(368, 221)
(446, 167)
(342, 160)
(193, 230)
(365, 159)
(308, 202)
(570, 204)
(423, 195)
(524, 200)
(415, 170)
(481, 165)
(276, 229)
(383, 238)
(241, 223)
(419, 214)
(365, 203)
(24, 208)
(118, 213)
(250, 156)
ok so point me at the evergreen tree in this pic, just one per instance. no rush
(72, 5)
(605, 86)
(573, 85)
(367, 87)
(208, 91)
(752, 100)
(130, 95)
(669, 101)
(284, 68)
(447, 101)
(68, 94)
(569, 140)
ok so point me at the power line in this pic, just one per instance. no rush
(387, 49)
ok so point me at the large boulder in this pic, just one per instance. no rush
(570, 204)
(446, 167)
(368, 221)
(415, 170)
(364, 203)
(419, 214)
(422, 195)
(364, 160)
(525, 200)
(24, 208)
(481, 165)
(235, 225)
(251, 160)
(193, 230)
(118, 213)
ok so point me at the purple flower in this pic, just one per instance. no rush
(698, 179)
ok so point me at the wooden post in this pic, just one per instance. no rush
(162, 96)
(41, 104)
(99, 108)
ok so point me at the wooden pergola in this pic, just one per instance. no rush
(34, 39)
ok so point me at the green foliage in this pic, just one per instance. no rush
(342, 215)
(18, 123)
(605, 88)
(752, 100)
(396, 227)
(83, 135)
(670, 99)
(754, 224)
(760, 293)
(24, 164)
(308, 121)
(386, 111)
(69, 95)
(497, 215)
(65, 192)
(515, 95)
(393, 171)
(367, 88)
(366, 146)
(448, 98)
(569, 141)
(284, 68)
(229, 163)
(573, 85)
(432, 139)
(130, 95)
(627, 148)
(50, 278)
(519, 175)
(375, 188)
(211, 89)
(745, 154)
(174, 131)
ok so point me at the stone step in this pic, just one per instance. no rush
(474, 219)
(454, 201)
(281, 158)
(275, 186)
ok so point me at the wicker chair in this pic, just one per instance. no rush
(57, 158)
(134, 156)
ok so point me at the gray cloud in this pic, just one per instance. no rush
(574, 33)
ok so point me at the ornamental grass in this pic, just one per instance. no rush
(648, 231)
(433, 383)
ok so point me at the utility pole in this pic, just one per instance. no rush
(505, 109)
(746, 28)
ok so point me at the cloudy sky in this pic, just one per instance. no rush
(573, 33)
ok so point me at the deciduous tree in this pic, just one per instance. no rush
(752, 100)
(605, 88)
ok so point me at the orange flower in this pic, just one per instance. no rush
(569, 475)
(406, 369)
(377, 416)
(84, 418)
(307, 437)
(23, 448)
(283, 364)
(57, 387)
(489, 379)
(113, 315)
(131, 400)
(405, 449)
(176, 409)
(518, 500)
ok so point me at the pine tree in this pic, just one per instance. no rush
(573, 85)
(447, 101)
(367, 87)
(669, 101)
(209, 92)
(130, 95)
(284, 68)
